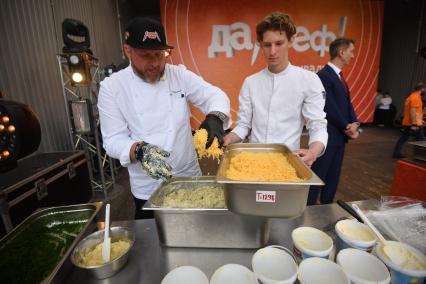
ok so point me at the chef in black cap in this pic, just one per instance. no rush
(144, 112)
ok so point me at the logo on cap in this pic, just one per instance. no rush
(151, 35)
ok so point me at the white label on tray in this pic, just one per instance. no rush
(265, 196)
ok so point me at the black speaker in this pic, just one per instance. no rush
(423, 52)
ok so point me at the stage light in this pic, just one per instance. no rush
(82, 116)
(77, 77)
(74, 59)
(79, 68)
(71, 30)
(11, 128)
(109, 69)
(76, 39)
(20, 133)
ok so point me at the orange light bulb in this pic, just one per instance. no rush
(5, 119)
(11, 128)
(5, 153)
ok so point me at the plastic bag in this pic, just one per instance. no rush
(402, 219)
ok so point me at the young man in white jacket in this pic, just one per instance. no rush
(276, 102)
(144, 112)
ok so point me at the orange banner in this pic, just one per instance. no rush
(217, 40)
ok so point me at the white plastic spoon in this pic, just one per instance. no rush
(106, 247)
(368, 223)
(395, 254)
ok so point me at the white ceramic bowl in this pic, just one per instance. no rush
(362, 267)
(316, 270)
(401, 273)
(233, 274)
(353, 234)
(274, 265)
(185, 275)
(311, 242)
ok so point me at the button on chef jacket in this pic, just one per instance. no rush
(132, 110)
(273, 107)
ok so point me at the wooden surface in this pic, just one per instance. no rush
(367, 172)
(368, 166)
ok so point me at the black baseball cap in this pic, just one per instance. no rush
(146, 33)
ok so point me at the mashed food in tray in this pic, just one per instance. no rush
(249, 166)
(93, 256)
(202, 197)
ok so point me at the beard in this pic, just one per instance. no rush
(150, 74)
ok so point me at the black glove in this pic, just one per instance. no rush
(214, 127)
(153, 160)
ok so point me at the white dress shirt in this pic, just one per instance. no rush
(335, 68)
(276, 106)
(132, 110)
(385, 103)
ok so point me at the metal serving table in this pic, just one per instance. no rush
(149, 262)
(419, 150)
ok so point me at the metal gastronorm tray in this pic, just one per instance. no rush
(26, 259)
(204, 227)
(287, 199)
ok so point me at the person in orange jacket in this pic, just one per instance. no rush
(412, 120)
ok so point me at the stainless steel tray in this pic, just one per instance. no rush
(24, 259)
(204, 227)
(267, 199)
(419, 152)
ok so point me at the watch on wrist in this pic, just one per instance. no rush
(138, 155)
(219, 114)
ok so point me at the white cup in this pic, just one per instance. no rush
(353, 234)
(233, 273)
(316, 270)
(184, 275)
(362, 267)
(274, 265)
(402, 272)
(311, 242)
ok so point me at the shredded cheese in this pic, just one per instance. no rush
(200, 140)
(249, 166)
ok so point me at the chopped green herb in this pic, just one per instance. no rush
(33, 251)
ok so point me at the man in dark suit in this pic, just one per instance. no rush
(342, 123)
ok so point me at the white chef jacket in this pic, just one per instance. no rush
(132, 110)
(276, 106)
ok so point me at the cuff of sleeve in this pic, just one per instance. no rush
(343, 126)
(227, 123)
(322, 140)
(125, 154)
(241, 132)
